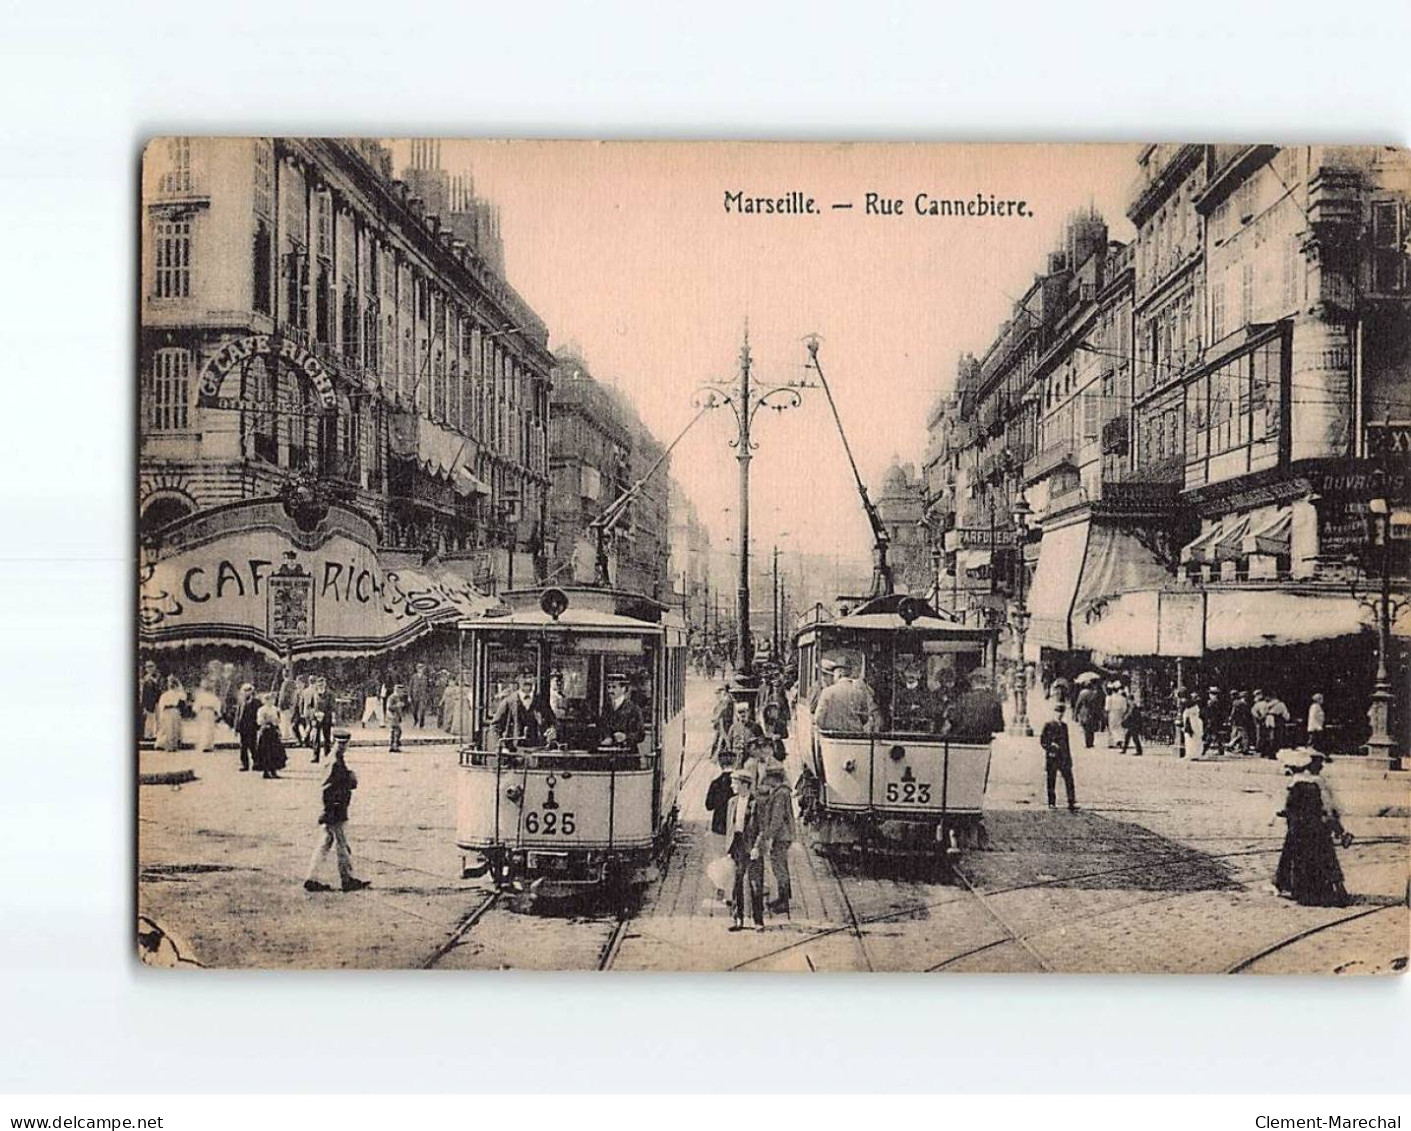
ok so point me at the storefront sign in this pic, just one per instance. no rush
(1389, 442)
(241, 351)
(983, 538)
(271, 586)
(291, 604)
(1180, 624)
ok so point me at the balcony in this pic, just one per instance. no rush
(1049, 460)
(1115, 436)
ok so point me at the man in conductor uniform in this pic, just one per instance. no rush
(621, 723)
(521, 718)
(848, 705)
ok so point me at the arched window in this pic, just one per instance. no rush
(162, 511)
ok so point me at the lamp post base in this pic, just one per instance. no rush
(1381, 747)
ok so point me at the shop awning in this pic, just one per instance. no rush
(1201, 549)
(1229, 545)
(1118, 564)
(1050, 602)
(1266, 618)
(440, 452)
(246, 574)
(1272, 537)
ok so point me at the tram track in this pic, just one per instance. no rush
(1186, 863)
(463, 928)
(1244, 964)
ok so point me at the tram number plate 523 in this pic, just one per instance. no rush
(551, 822)
(909, 792)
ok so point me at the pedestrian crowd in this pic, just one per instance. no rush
(751, 804)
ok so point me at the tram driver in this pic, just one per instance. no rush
(621, 723)
(848, 704)
(523, 719)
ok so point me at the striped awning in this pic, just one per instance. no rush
(1201, 550)
(1271, 537)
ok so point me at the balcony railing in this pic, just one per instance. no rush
(1048, 460)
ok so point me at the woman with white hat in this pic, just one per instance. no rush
(1308, 870)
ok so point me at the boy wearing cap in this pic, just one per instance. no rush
(337, 796)
(742, 835)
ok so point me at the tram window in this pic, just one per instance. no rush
(503, 663)
(921, 687)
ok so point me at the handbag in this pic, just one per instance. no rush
(721, 872)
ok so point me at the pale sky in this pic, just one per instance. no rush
(627, 251)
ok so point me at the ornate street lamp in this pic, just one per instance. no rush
(746, 398)
(1019, 620)
(1382, 745)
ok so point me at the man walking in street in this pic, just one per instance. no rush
(776, 832)
(396, 708)
(149, 691)
(418, 692)
(337, 796)
(1058, 757)
(1317, 724)
(1275, 727)
(246, 728)
(1133, 735)
(1087, 712)
(322, 718)
(1211, 716)
(741, 836)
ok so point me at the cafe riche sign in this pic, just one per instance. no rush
(246, 574)
(239, 352)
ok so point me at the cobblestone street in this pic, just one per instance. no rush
(1165, 867)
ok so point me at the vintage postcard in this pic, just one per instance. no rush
(773, 557)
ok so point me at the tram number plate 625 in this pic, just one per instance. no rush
(551, 822)
(909, 792)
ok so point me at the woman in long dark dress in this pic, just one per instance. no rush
(1308, 871)
(269, 747)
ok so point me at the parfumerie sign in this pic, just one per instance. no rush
(241, 351)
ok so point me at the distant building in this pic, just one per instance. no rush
(901, 503)
(600, 449)
(690, 558)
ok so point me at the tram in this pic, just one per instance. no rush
(900, 760)
(574, 803)
(888, 779)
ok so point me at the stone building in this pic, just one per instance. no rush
(308, 326)
(900, 505)
(601, 449)
(1205, 425)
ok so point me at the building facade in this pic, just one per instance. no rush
(307, 327)
(600, 450)
(1205, 424)
(901, 503)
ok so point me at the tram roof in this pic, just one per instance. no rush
(587, 608)
(884, 614)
